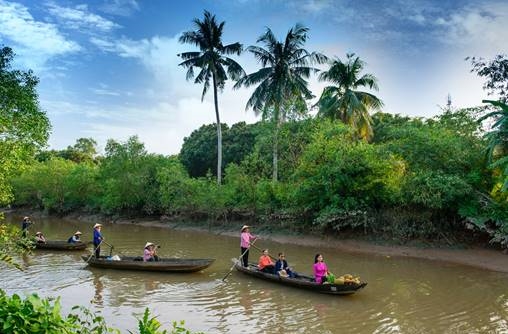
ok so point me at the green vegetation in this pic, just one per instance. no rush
(35, 315)
(344, 102)
(24, 127)
(414, 179)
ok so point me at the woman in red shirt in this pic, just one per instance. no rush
(265, 263)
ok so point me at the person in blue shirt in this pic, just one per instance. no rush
(97, 239)
(75, 238)
(282, 268)
(25, 224)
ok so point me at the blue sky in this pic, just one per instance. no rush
(109, 69)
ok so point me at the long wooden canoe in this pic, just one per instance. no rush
(301, 281)
(163, 265)
(60, 245)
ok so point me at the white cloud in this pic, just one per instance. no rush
(80, 18)
(315, 6)
(120, 7)
(478, 29)
(35, 41)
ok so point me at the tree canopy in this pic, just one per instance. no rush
(24, 127)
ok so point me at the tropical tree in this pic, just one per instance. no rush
(285, 66)
(498, 139)
(344, 101)
(24, 127)
(213, 64)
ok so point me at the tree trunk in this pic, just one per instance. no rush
(219, 133)
(276, 146)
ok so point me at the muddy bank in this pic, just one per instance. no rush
(475, 256)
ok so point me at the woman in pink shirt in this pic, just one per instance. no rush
(245, 241)
(149, 254)
(320, 268)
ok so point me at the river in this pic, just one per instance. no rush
(403, 295)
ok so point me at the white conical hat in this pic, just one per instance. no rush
(77, 232)
(97, 225)
(149, 244)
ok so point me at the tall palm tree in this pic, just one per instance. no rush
(213, 63)
(497, 148)
(344, 101)
(285, 66)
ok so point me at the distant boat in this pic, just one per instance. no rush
(301, 281)
(174, 265)
(60, 245)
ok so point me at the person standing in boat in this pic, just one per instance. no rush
(39, 238)
(150, 253)
(75, 238)
(320, 269)
(265, 263)
(245, 242)
(25, 224)
(97, 239)
(282, 267)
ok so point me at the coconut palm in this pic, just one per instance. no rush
(498, 138)
(213, 64)
(344, 101)
(285, 66)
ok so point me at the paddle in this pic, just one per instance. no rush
(110, 247)
(230, 270)
(93, 253)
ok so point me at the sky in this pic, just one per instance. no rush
(108, 69)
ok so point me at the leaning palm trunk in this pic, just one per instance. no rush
(219, 133)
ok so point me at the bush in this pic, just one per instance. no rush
(35, 315)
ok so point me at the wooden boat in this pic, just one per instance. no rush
(60, 245)
(301, 281)
(137, 263)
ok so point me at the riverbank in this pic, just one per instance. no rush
(476, 256)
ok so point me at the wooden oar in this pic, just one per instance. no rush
(93, 253)
(230, 270)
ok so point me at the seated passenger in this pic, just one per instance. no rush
(320, 269)
(265, 263)
(75, 238)
(39, 238)
(282, 268)
(149, 253)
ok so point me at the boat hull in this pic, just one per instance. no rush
(173, 265)
(61, 245)
(301, 281)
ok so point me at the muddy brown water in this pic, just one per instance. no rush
(403, 295)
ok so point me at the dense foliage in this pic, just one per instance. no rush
(198, 150)
(411, 181)
(35, 315)
(24, 127)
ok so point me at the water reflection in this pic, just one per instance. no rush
(99, 288)
(403, 295)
